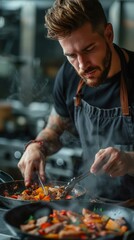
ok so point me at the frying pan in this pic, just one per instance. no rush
(13, 186)
(18, 215)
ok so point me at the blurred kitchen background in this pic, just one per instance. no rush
(28, 65)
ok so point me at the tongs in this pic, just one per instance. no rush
(70, 185)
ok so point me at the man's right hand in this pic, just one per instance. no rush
(32, 160)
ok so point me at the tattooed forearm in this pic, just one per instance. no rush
(51, 140)
(58, 123)
(51, 134)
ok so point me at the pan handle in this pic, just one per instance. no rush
(5, 177)
(129, 203)
(129, 235)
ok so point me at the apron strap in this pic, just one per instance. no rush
(123, 86)
(77, 100)
(124, 97)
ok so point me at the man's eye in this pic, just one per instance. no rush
(90, 49)
(71, 56)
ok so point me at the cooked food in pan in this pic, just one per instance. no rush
(36, 193)
(67, 224)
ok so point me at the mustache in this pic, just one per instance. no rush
(89, 69)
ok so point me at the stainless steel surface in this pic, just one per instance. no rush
(10, 151)
(62, 165)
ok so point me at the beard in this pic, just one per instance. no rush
(106, 63)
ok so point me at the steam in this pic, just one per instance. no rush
(68, 139)
(39, 91)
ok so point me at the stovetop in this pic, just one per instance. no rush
(5, 234)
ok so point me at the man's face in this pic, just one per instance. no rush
(89, 53)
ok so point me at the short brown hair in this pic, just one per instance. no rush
(66, 16)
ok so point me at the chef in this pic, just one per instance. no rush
(93, 96)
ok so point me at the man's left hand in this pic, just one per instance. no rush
(113, 162)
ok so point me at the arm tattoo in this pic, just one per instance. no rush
(51, 133)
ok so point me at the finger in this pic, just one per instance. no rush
(21, 167)
(116, 173)
(109, 165)
(100, 159)
(116, 170)
(29, 169)
(101, 151)
(42, 170)
(113, 162)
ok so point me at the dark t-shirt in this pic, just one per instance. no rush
(106, 96)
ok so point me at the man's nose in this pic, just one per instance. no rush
(82, 62)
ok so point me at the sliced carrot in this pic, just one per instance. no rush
(46, 198)
(112, 225)
(124, 228)
(14, 196)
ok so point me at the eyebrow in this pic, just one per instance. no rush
(82, 50)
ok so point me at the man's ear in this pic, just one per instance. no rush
(109, 35)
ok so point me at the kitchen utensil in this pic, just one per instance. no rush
(16, 216)
(42, 185)
(5, 177)
(70, 185)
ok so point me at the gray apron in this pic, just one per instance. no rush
(101, 128)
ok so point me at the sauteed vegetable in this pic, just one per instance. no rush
(36, 193)
(71, 225)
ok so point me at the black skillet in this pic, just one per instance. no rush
(13, 186)
(18, 215)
